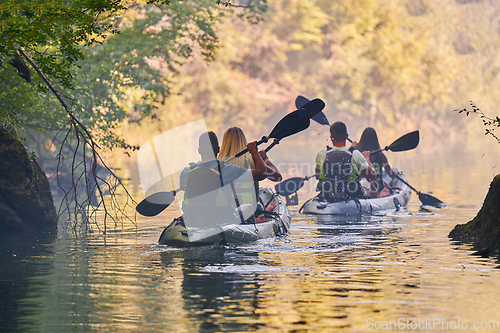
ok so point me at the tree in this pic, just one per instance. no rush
(44, 42)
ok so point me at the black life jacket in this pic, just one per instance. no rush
(377, 165)
(337, 164)
(340, 181)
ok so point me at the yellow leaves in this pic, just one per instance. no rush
(296, 46)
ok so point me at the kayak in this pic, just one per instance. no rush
(277, 224)
(399, 198)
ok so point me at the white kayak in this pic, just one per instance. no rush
(399, 197)
(176, 234)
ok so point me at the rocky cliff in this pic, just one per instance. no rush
(26, 202)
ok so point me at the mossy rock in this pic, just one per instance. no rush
(26, 201)
(484, 230)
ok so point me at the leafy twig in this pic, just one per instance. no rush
(492, 123)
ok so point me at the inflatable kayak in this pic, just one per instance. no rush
(276, 224)
(399, 197)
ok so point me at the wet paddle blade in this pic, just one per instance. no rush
(292, 123)
(289, 186)
(300, 101)
(429, 200)
(319, 117)
(406, 142)
(314, 107)
(155, 203)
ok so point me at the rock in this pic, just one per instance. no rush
(484, 230)
(26, 201)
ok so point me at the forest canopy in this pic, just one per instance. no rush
(375, 62)
(91, 52)
(126, 71)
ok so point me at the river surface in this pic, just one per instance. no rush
(397, 270)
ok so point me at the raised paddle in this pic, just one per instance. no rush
(292, 123)
(406, 142)
(320, 117)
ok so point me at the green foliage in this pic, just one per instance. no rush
(81, 69)
(97, 52)
(392, 65)
(154, 39)
(52, 33)
(54, 30)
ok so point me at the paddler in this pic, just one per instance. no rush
(340, 171)
(213, 189)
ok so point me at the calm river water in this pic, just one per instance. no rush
(397, 270)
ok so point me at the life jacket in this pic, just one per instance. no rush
(378, 169)
(201, 181)
(204, 201)
(341, 180)
(321, 176)
(246, 195)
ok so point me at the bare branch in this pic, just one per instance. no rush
(84, 174)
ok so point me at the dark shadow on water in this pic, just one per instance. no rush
(480, 248)
(20, 261)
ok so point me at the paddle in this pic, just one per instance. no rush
(291, 185)
(320, 117)
(292, 123)
(406, 142)
(426, 199)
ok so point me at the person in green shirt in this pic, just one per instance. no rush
(340, 171)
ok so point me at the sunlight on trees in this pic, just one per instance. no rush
(130, 70)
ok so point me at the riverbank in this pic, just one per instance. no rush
(484, 230)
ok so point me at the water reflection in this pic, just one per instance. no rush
(21, 263)
(328, 274)
(206, 294)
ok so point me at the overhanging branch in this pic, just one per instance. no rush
(83, 171)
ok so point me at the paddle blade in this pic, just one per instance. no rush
(314, 107)
(406, 142)
(429, 200)
(319, 117)
(289, 186)
(155, 203)
(300, 101)
(292, 123)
